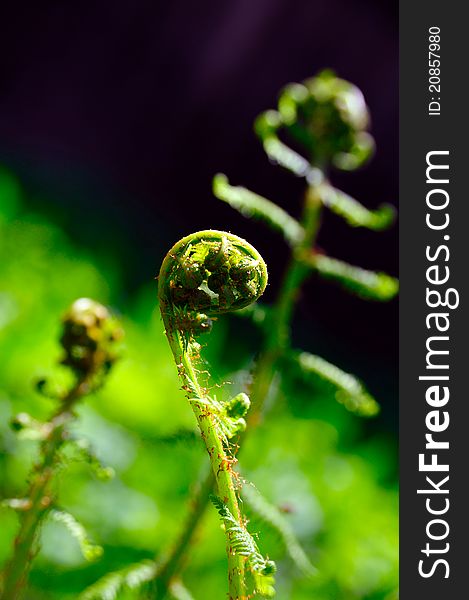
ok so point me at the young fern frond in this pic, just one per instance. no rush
(348, 390)
(85, 451)
(252, 205)
(370, 285)
(111, 585)
(243, 544)
(89, 549)
(273, 518)
(89, 341)
(354, 213)
(204, 275)
(266, 126)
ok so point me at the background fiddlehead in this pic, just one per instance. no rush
(88, 338)
(214, 272)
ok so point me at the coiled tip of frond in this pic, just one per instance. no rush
(210, 272)
(89, 338)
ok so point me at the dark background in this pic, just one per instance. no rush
(116, 115)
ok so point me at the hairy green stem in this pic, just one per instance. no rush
(39, 498)
(221, 462)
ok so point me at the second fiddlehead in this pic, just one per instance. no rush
(204, 275)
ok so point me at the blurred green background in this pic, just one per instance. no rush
(334, 475)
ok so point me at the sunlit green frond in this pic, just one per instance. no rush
(272, 517)
(90, 550)
(355, 213)
(111, 585)
(254, 206)
(348, 390)
(242, 543)
(367, 284)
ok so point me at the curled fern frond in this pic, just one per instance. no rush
(370, 285)
(204, 275)
(273, 518)
(348, 390)
(243, 544)
(252, 205)
(85, 450)
(356, 214)
(325, 115)
(90, 550)
(130, 578)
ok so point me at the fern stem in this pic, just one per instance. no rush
(278, 338)
(221, 466)
(40, 498)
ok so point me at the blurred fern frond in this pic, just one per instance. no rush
(111, 585)
(252, 205)
(273, 518)
(367, 284)
(89, 549)
(348, 389)
(356, 214)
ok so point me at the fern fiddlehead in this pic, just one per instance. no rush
(89, 337)
(204, 275)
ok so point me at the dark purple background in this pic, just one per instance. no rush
(117, 114)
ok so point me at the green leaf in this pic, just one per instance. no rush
(242, 542)
(370, 285)
(252, 205)
(348, 390)
(89, 550)
(355, 213)
(111, 585)
(273, 518)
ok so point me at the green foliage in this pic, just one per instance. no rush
(330, 484)
(112, 584)
(354, 213)
(366, 284)
(274, 519)
(90, 550)
(254, 206)
(347, 389)
(243, 543)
